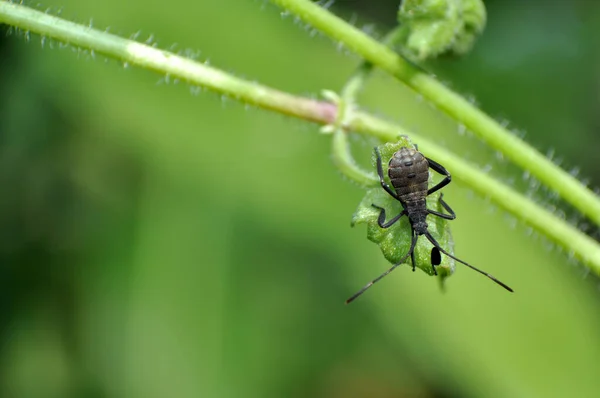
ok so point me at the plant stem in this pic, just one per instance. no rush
(521, 153)
(344, 161)
(164, 62)
(346, 106)
(558, 230)
(340, 147)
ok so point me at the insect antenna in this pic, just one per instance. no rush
(492, 277)
(368, 285)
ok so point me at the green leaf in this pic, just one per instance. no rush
(436, 27)
(394, 241)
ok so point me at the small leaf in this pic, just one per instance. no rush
(436, 27)
(394, 241)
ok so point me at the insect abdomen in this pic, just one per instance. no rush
(409, 174)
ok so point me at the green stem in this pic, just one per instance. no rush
(164, 62)
(342, 156)
(344, 161)
(565, 235)
(521, 153)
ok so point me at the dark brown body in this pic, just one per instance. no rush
(409, 174)
(408, 171)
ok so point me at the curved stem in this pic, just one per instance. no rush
(342, 156)
(559, 231)
(344, 161)
(521, 153)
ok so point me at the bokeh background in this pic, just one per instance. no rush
(161, 241)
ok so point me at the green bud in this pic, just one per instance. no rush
(474, 19)
(435, 27)
(422, 9)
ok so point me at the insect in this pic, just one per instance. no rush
(409, 174)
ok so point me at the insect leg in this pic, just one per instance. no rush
(368, 285)
(414, 264)
(381, 177)
(446, 206)
(381, 219)
(435, 166)
(436, 244)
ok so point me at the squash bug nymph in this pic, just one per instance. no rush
(408, 171)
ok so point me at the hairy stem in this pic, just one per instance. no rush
(556, 229)
(346, 106)
(164, 62)
(457, 107)
(345, 162)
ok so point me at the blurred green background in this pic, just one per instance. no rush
(161, 241)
